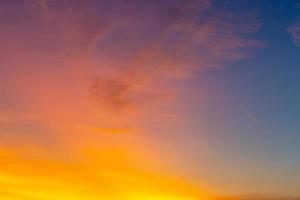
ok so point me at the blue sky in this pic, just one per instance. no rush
(261, 118)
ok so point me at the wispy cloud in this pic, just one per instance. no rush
(294, 30)
(181, 38)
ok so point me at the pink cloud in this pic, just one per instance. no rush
(294, 30)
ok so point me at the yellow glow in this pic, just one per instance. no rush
(113, 130)
(109, 176)
(157, 197)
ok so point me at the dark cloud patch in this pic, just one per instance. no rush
(112, 92)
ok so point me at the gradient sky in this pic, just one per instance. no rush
(149, 99)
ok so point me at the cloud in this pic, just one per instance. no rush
(294, 30)
(111, 92)
(190, 36)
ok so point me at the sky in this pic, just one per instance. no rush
(149, 99)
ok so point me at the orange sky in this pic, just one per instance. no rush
(76, 131)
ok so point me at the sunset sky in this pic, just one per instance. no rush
(149, 99)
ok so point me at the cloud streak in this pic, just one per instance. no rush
(189, 37)
(294, 30)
